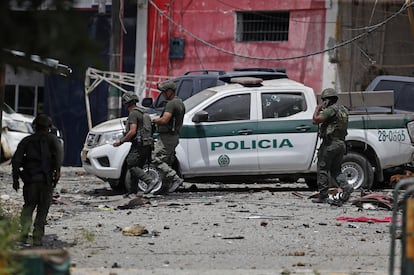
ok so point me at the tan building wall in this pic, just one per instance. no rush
(389, 49)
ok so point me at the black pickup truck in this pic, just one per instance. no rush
(195, 81)
(403, 87)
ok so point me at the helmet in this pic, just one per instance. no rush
(164, 86)
(129, 97)
(329, 93)
(42, 121)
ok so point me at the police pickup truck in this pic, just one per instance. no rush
(254, 130)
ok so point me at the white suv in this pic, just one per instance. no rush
(17, 126)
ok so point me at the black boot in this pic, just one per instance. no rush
(321, 199)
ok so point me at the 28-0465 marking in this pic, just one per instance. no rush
(391, 135)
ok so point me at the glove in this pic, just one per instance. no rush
(16, 184)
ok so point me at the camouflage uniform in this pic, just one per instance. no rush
(332, 150)
(164, 151)
(138, 154)
(36, 161)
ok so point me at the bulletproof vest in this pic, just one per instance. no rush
(39, 157)
(336, 127)
(145, 131)
(176, 122)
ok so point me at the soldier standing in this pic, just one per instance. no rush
(37, 161)
(140, 136)
(333, 120)
(169, 125)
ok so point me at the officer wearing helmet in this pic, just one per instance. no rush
(332, 119)
(168, 126)
(37, 161)
(140, 151)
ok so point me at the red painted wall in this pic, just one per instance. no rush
(208, 28)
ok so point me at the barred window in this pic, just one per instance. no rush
(262, 26)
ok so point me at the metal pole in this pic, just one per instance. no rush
(401, 184)
(114, 104)
(407, 253)
(2, 86)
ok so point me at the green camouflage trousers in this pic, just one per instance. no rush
(164, 154)
(330, 155)
(136, 159)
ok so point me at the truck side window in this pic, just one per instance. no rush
(185, 90)
(207, 83)
(405, 98)
(235, 107)
(276, 105)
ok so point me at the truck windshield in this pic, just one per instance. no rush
(196, 99)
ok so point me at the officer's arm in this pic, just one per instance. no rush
(166, 117)
(131, 133)
(17, 159)
(317, 115)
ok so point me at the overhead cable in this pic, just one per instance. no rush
(367, 30)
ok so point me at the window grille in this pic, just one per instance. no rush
(262, 26)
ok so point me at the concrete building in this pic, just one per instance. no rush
(322, 43)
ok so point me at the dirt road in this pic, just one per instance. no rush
(202, 229)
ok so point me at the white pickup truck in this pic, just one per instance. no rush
(247, 132)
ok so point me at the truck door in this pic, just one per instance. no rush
(226, 142)
(286, 135)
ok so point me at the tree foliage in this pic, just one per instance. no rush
(47, 28)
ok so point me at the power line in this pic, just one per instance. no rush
(367, 29)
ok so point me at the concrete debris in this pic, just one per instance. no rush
(133, 203)
(296, 253)
(380, 200)
(396, 178)
(105, 207)
(134, 230)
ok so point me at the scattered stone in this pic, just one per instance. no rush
(134, 230)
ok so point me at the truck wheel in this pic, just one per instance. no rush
(155, 174)
(312, 183)
(117, 185)
(358, 171)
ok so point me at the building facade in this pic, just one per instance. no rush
(321, 43)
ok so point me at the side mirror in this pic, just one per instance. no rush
(147, 102)
(200, 116)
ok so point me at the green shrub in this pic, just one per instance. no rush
(9, 237)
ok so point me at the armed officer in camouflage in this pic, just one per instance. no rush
(169, 125)
(37, 161)
(333, 121)
(141, 142)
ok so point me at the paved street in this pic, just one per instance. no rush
(214, 229)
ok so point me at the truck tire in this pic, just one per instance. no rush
(358, 171)
(117, 185)
(155, 174)
(312, 183)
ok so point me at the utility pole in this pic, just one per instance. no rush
(115, 63)
(2, 88)
(141, 48)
